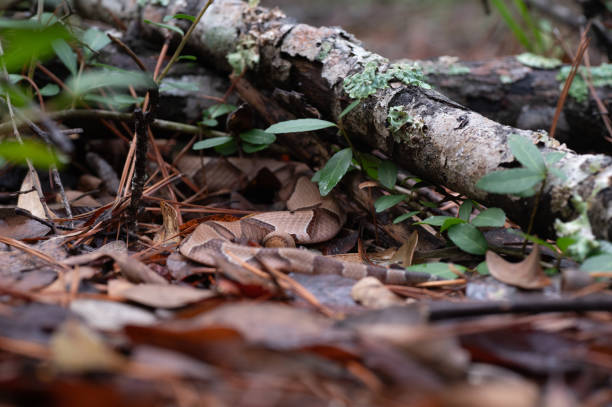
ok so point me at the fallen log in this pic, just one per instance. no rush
(447, 143)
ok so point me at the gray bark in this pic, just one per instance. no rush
(456, 146)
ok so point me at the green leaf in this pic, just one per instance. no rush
(428, 204)
(27, 40)
(387, 201)
(228, 148)
(370, 164)
(257, 136)
(171, 83)
(212, 142)
(38, 152)
(93, 80)
(436, 220)
(218, 110)
(252, 148)
(450, 222)
(299, 125)
(94, 40)
(349, 108)
(511, 181)
(334, 170)
(179, 16)
(387, 174)
(437, 269)
(483, 269)
(527, 154)
(187, 58)
(492, 217)
(533, 239)
(209, 122)
(468, 238)
(118, 101)
(526, 193)
(602, 262)
(65, 54)
(166, 26)
(564, 242)
(50, 89)
(404, 216)
(557, 173)
(465, 210)
(553, 157)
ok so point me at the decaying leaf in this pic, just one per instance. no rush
(371, 293)
(525, 274)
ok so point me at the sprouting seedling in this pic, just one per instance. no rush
(522, 181)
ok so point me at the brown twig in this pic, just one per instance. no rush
(584, 43)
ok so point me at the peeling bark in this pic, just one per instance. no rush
(456, 146)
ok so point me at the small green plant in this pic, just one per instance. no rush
(522, 181)
(464, 232)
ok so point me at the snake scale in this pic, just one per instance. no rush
(309, 219)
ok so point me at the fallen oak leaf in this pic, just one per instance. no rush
(133, 269)
(158, 296)
(526, 274)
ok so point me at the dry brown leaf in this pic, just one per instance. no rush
(404, 255)
(525, 274)
(500, 393)
(159, 296)
(371, 293)
(75, 348)
(31, 201)
(20, 227)
(77, 198)
(133, 269)
(169, 231)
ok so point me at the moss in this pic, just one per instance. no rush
(375, 76)
(538, 61)
(579, 230)
(600, 76)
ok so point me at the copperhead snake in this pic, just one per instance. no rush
(309, 219)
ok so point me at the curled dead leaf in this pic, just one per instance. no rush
(525, 274)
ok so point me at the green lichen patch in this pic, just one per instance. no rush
(446, 65)
(538, 61)
(324, 50)
(402, 124)
(376, 76)
(579, 230)
(245, 56)
(600, 76)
